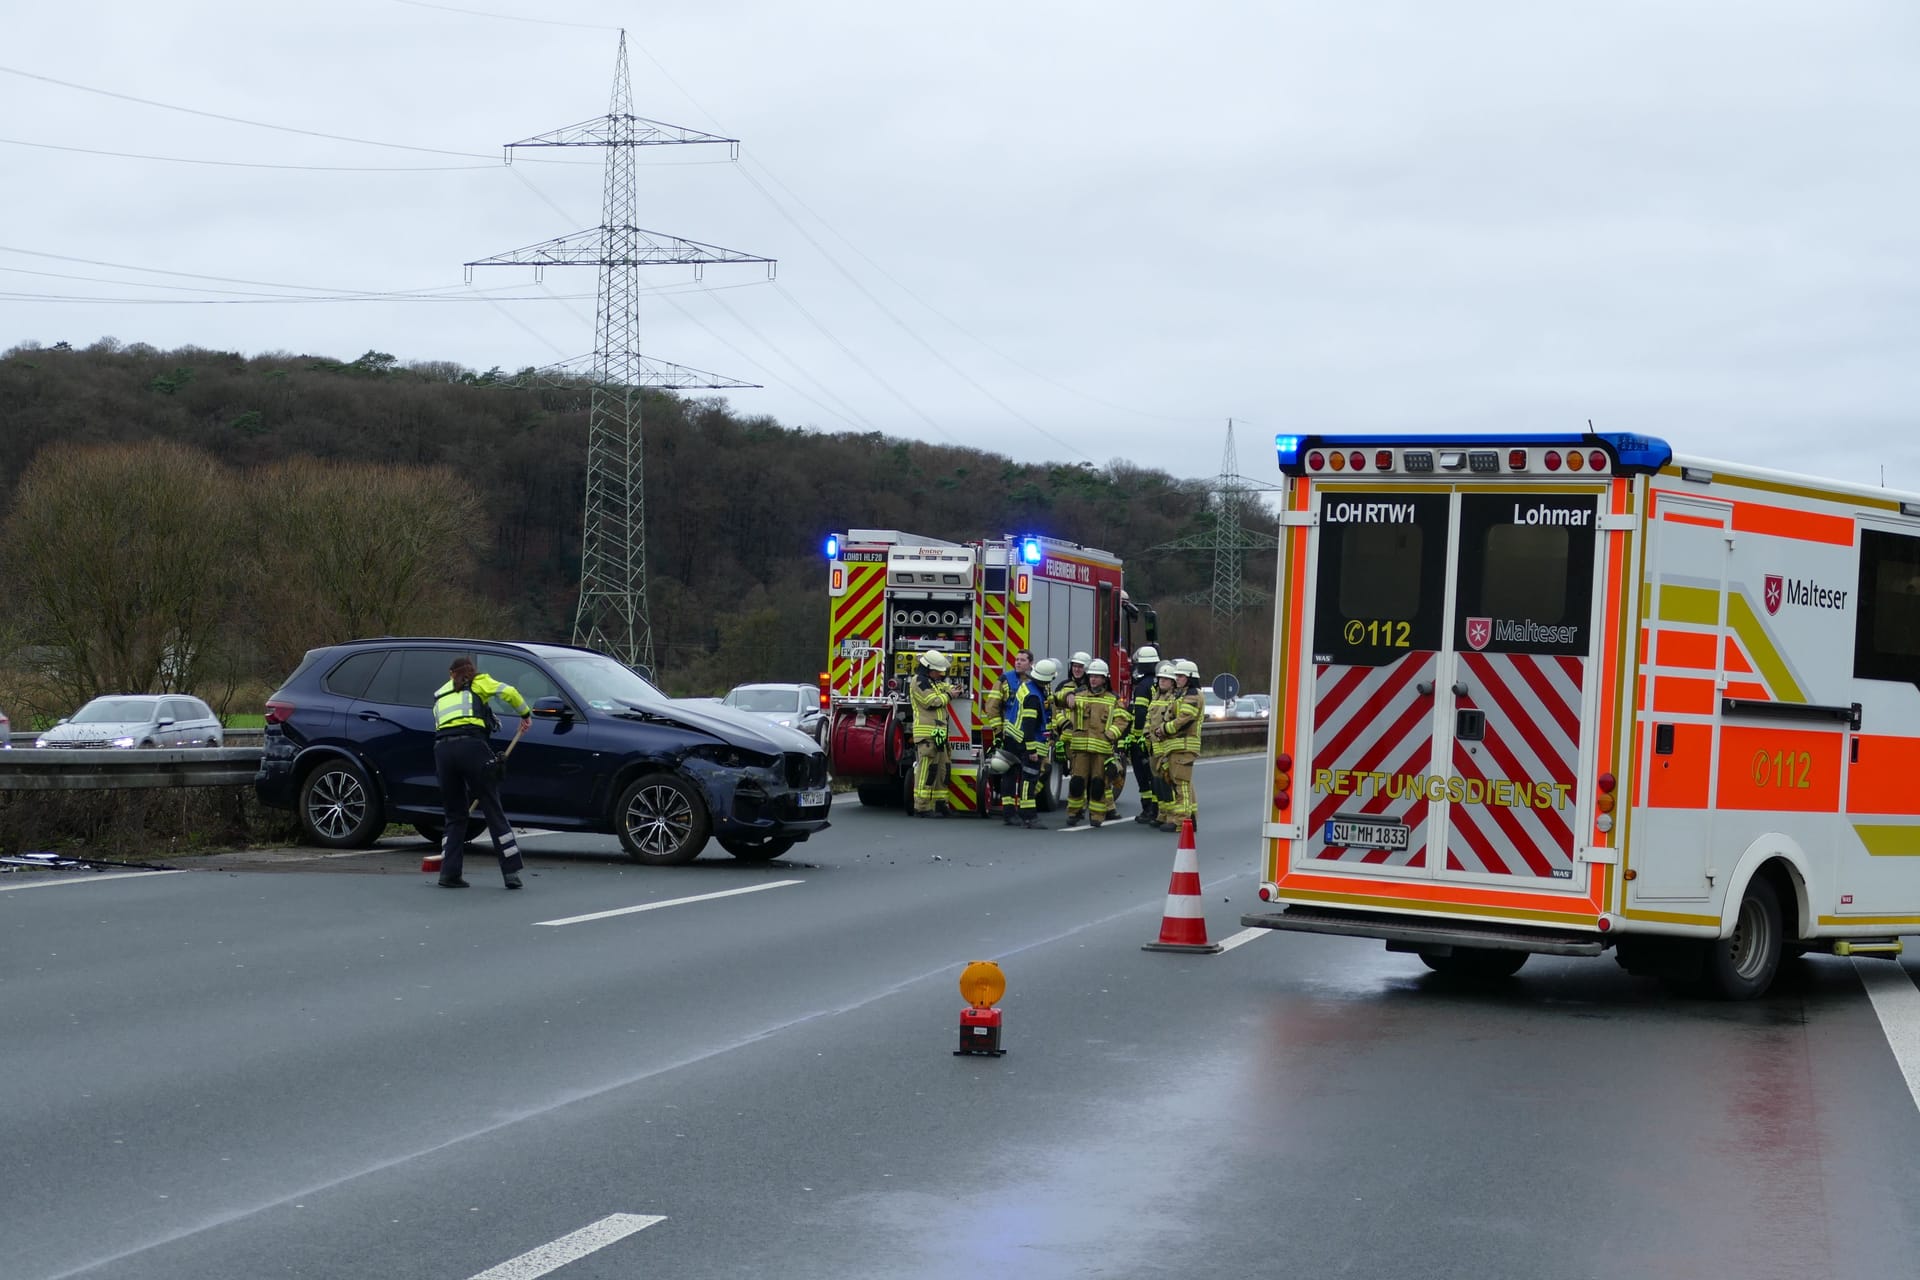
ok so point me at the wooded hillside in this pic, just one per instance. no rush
(737, 506)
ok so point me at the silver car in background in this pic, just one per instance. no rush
(796, 706)
(134, 720)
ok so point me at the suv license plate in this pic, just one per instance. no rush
(813, 799)
(1351, 833)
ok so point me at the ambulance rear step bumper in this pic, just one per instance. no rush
(1417, 933)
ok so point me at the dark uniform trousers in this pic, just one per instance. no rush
(464, 759)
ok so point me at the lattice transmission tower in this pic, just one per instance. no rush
(612, 612)
(1229, 540)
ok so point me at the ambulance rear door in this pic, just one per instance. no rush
(1450, 674)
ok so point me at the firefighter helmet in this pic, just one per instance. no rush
(1081, 658)
(1098, 667)
(1045, 670)
(1189, 669)
(1146, 653)
(934, 660)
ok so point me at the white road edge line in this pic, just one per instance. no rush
(1898, 1003)
(670, 902)
(111, 875)
(1242, 938)
(571, 1247)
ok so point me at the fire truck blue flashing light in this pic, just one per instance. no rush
(833, 546)
(1030, 550)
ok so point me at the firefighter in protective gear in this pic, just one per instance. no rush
(1096, 723)
(1057, 713)
(1139, 748)
(1158, 709)
(930, 696)
(1181, 734)
(1020, 731)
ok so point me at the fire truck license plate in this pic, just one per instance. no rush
(1358, 833)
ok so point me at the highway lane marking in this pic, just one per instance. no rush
(115, 875)
(670, 902)
(571, 1247)
(1897, 1003)
(1242, 938)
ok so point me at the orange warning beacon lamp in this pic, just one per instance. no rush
(981, 983)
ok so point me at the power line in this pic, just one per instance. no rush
(255, 164)
(259, 124)
(507, 17)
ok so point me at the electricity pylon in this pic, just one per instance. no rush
(612, 613)
(1229, 540)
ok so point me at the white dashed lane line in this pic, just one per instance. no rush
(571, 1247)
(670, 902)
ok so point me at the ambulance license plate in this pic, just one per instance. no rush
(1358, 833)
(818, 796)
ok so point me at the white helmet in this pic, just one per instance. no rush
(1080, 658)
(1045, 670)
(1181, 667)
(1146, 653)
(934, 660)
(1166, 670)
(1098, 667)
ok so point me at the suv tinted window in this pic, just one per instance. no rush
(529, 680)
(351, 677)
(410, 676)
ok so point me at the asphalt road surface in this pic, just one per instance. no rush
(340, 1070)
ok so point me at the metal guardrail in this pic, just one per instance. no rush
(1234, 733)
(55, 769)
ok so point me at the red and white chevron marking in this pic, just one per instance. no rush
(1532, 705)
(1374, 720)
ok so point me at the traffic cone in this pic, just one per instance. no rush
(431, 862)
(1183, 925)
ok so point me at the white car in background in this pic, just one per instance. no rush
(797, 706)
(133, 720)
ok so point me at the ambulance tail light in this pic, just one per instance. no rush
(1607, 785)
(1337, 460)
(826, 692)
(1552, 460)
(1357, 460)
(1575, 460)
(1383, 460)
(1266, 893)
(1597, 460)
(1516, 460)
(1283, 781)
(1316, 461)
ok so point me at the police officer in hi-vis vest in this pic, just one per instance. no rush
(464, 760)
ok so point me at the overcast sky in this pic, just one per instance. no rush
(1065, 231)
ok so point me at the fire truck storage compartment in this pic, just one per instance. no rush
(1062, 621)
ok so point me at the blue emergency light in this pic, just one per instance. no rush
(1288, 447)
(833, 546)
(1030, 550)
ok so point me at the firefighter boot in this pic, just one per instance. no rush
(1073, 819)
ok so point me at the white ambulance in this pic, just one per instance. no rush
(1563, 693)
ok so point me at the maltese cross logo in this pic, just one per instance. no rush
(1776, 591)
(1479, 632)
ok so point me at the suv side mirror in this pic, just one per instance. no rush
(163, 722)
(552, 709)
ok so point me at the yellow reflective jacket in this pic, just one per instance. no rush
(930, 698)
(1098, 720)
(456, 709)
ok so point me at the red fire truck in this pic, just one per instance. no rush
(897, 595)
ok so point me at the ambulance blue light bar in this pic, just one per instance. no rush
(833, 546)
(1631, 454)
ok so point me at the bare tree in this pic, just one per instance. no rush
(359, 549)
(121, 558)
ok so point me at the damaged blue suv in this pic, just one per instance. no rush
(349, 748)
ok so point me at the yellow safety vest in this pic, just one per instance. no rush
(456, 708)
